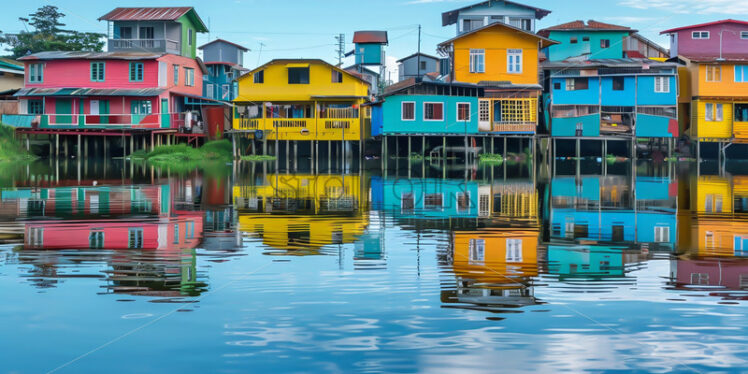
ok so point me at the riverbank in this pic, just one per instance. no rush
(10, 148)
(185, 157)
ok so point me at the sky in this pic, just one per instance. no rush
(307, 28)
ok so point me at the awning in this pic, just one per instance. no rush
(144, 92)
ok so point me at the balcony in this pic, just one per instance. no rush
(303, 128)
(144, 45)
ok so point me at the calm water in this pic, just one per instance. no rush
(122, 268)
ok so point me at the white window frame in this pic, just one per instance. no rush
(700, 34)
(457, 202)
(743, 78)
(744, 34)
(706, 71)
(514, 250)
(457, 106)
(509, 65)
(424, 111)
(210, 90)
(477, 251)
(478, 68)
(662, 84)
(36, 69)
(662, 234)
(719, 113)
(430, 208)
(402, 111)
(739, 247)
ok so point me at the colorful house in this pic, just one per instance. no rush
(710, 272)
(484, 13)
(369, 47)
(715, 77)
(591, 40)
(11, 80)
(586, 261)
(508, 74)
(612, 97)
(306, 100)
(144, 82)
(416, 66)
(224, 61)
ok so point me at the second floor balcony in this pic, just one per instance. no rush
(144, 45)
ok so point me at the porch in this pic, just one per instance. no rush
(508, 115)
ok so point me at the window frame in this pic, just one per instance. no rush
(700, 35)
(176, 74)
(714, 69)
(604, 43)
(709, 112)
(519, 55)
(36, 102)
(96, 237)
(261, 75)
(189, 77)
(138, 235)
(473, 56)
(308, 75)
(615, 80)
(36, 70)
(101, 71)
(743, 73)
(476, 251)
(469, 108)
(425, 103)
(336, 74)
(515, 244)
(402, 111)
(135, 64)
(664, 84)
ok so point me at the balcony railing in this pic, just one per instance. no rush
(97, 121)
(514, 127)
(303, 128)
(144, 45)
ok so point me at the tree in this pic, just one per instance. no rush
(48, 35)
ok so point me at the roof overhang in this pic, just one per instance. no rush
(70, 91)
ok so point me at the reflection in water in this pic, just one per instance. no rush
(486, 267)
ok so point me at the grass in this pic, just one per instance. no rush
(491, 158)
(10, 148)
(255, 158)
(182, 157)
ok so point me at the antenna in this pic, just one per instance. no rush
(341, 48)
(419, 53)
(260, 53)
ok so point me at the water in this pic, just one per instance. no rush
(546, 269)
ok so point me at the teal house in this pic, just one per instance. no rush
(425, 198)
(369, 47)
(414, 106)
(593, 40)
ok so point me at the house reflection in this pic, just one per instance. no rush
(302, 214)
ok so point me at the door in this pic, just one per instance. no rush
(103, 110)
(484, 115)
(165, 119)
(617, 234)
(63, 111)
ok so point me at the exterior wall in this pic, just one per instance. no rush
(568, 126)
(495, 269)
(731, 42)
(712, 129)
(560, 52)
(10, 81)
(409, 68)
(222, 52)
(730, 274)
(393, 190)
(393, 124)
(590, 96)
(183, 62)
(188, 50)
(496, 41)
(218, 78)
(656, 126)
(77, 73)
(726, 87)
(495, 9)
(646, 95)
(585, 261)
(369, 54)
(625, 97)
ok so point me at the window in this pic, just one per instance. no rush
(209, 90)
(176, 75)
(514, 250)
(713, 73)
(176, 234)
(190, 35)
(744, 35)
(96, 240)
(662, 234)
(408, 111)
(585, 38)
(618, 83)
(477, 251)
(709, 239)
(741, 112)
(477, 60)
(423, 65)
(36, 73)
(484, 111)
(141, 107)
(718, 117)
(576, 84)
(189, 77)
(189, 230)
(573, 40)
(433, 111)
(125, 32)
(259, 77)
(433, 201)
(557, 86)
(484, 207)
(463, 202)
(709, 112)
(741, 73)
(700, 35)
(604, 43)
(146, 33)
(225, 89)
(97, 72)
(135, 238)
(35, 107)
(662, 84)
(36, 237)
(407, 202)
(337, 77)
(463, 111)
(298, 75)
(514, 61)
(136, 72)
(700, 279)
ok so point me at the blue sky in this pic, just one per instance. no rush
(307, 28)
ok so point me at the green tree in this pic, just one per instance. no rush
(48, 35)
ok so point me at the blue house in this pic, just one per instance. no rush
(586, 261)
(481, 14)
(593, 40)
(613, 209)
(425, 198)
(225, 63)
(417, 65)
(369, 47)
(624, 97)
(422, 107)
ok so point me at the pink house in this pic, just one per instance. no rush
(720, 38)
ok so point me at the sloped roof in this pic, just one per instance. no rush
(450, 17)
(410, 82)
(82, 55)
(370, 37)
(154, 14)
(416, 54)
(579, 25)
(225, 42)
(738, 22)
(545, 41)
(301, 61)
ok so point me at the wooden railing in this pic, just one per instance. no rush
(505, 127)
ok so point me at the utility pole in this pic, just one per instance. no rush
(260, 53)
(341, 48)
(419, 52)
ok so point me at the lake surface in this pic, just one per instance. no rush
(549, 268)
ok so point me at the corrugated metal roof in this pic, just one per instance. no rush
(154, 14)
(89, 92)
(370, 37)
(591, 25)
(726, 57)
(66, 55)
(607, 63)
(450, 17)
(416, 55)
(225, 42)
(705, 24)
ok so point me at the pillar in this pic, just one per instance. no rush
(287, 158)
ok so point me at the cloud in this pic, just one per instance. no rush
(728, 7)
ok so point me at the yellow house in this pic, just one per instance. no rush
(303, 213)
(504, 60)
(306, 99)
(718, 94)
